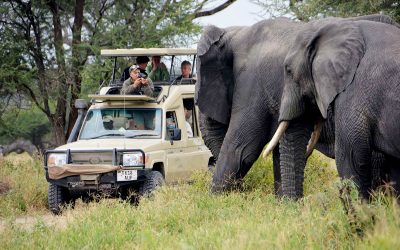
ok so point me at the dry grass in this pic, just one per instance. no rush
(188, 217)
(26, 186)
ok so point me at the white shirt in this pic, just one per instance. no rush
(189, 130)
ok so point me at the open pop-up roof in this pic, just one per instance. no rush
(148, 52)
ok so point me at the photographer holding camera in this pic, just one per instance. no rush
(137, 83)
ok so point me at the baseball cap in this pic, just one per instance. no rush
(134, 67)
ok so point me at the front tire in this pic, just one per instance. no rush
(154, 180)
(58, 197)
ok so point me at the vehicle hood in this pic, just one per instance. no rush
(95, 144)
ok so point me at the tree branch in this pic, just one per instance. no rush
(213, 11)
(33, 97)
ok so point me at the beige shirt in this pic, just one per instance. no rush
(129, 89)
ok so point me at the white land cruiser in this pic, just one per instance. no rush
(128, 145)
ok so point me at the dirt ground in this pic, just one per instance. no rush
(28, 222)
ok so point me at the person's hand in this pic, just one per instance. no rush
(145, 82)
(162, 66)
(137, 83)
(154, 66)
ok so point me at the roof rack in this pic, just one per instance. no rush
(148, 52)
(122, 98)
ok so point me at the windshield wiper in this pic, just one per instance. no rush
(133, 136)
(113, 134)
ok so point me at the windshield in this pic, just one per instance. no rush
(121, 122)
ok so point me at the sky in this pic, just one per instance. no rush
(241, 12)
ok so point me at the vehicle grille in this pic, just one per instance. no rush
(91, 158)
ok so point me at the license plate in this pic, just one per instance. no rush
(126, 175)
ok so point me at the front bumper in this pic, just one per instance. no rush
(98, 182)
(75, 176)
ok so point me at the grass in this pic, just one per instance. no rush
(25, 185)
(188, 217)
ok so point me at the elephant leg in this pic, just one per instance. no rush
(226, 174)
(380, 170)
(394, 173)
(241, 147)
(353, 156)
(277, 172)
(293, 158)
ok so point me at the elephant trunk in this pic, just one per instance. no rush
(280, 131)
(213, 133)
(314, 138)
(293, 159)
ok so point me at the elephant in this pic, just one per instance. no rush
(344, 72)
(238, 89)
(238, 92)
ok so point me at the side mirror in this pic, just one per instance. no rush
(174, 134)
(81, 104)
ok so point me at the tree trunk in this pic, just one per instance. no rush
(78, 61)
(61, 106)
(58, 130)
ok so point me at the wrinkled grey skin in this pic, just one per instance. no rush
(350, 68)
(240, 82)
(239, 72)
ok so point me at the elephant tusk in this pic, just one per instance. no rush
(314, 138)
(275, 139)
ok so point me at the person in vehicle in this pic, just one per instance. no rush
(108, 122)
(186, 71)
(141, 61)
(137, 83)
(157, 70)
(187, 108)
(136, 123)
(188, 114)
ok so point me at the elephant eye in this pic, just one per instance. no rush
(288, 70)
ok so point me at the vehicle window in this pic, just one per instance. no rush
(130, 123)
(190, 117)
(171, 122)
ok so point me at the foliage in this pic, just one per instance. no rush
(46, 46)
(314, 9)
(187, 216)
(311, 9)
(28, 123)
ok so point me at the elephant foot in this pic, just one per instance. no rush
(230, 185)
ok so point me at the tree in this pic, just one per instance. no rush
(48, 43)
(314, 9)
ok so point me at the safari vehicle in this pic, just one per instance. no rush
(128, 145)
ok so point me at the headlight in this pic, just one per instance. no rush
(132, 159)
(56, 159)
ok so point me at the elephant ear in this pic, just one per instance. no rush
(336, 50)
(214, 86)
